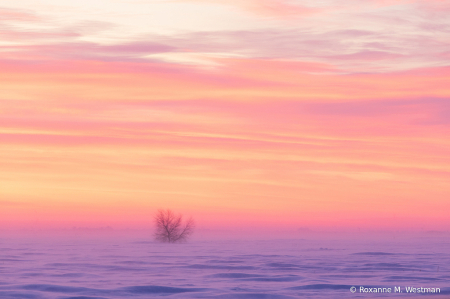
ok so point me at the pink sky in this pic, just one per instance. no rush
(264, 113)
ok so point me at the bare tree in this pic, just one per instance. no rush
(170, 227)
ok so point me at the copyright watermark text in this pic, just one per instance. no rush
(396, 289)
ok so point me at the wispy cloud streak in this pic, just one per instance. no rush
(302, 118)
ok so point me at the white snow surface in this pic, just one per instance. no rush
(135, 267)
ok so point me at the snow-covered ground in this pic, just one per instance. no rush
(133, 267)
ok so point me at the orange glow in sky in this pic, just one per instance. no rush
(264, 113)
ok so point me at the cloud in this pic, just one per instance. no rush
(19, 15)
(348, 50)
(15, 35)
(407, 112)
(424, 111)
(367, 56)
(11, 33)
(267, 8)
(88, 51)
(367, 46)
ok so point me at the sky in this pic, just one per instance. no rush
(276, 114)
